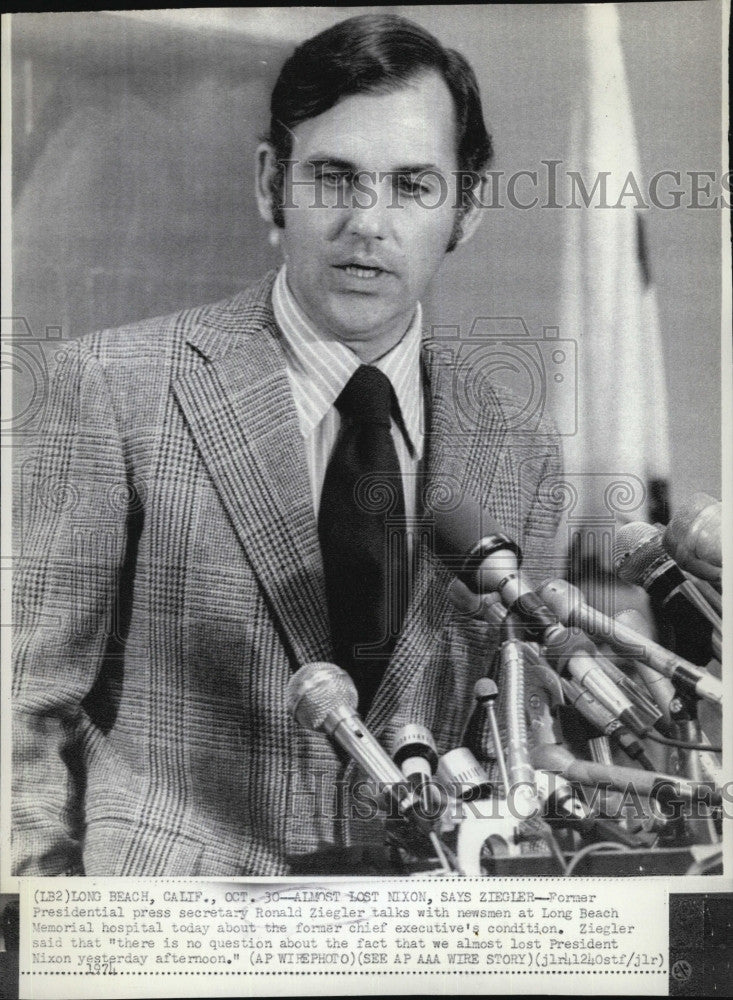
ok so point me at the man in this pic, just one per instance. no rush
(190, 531)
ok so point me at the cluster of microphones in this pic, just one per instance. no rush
(608, 692)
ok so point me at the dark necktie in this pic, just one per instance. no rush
(362, 532)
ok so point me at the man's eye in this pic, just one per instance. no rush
(410, 185)
(334, 178)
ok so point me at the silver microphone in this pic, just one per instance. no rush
(567, 602)
(640, 558)
(660, 687)
(322, 697)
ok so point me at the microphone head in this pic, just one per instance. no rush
(636, 551)
(318, 690)
(485, 690)
(694, 537)
(467, 535)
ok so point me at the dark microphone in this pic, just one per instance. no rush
(567, 602)
(694, 537)
(486, 559)
(641, 560)
(322, 697)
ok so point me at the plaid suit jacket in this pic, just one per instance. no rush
(168, 581)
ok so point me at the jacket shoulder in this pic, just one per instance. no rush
(163, 338)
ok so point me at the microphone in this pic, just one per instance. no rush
(466, 535)
(413, 750)
(605, 722)
(560, 597)
(491, 563)
(640, 559)
(693, 537)
(486, 692)
(322, 697)
(577, 657)
(467, 602)
(659, 687)
(484, 558)
(459, 771)
(553, 757)
(561, 801)
(566, 600)
(517, 772)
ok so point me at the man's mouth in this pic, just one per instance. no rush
(365, 272)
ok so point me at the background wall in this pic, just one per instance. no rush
(134, 137)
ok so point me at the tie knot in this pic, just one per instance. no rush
(367, 397)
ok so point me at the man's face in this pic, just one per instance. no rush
(357, 272)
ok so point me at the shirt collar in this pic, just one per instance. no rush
(319, 369)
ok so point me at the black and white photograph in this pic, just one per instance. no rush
(367, 381)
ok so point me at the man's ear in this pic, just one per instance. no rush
(265, 181)
(473, 214)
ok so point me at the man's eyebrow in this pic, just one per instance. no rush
(323, 159)
(410, 169)
(415, 168)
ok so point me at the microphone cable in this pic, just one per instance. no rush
(681, 744)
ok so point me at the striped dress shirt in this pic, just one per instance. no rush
(318, 369)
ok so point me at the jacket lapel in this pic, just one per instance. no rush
(239, 408)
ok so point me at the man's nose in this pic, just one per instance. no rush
(369, 216)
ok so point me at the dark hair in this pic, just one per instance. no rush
(373, 53)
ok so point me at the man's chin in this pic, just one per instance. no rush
(355, 333)
(367, 318)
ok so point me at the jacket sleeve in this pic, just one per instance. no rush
(542, 549)
(69, 526)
